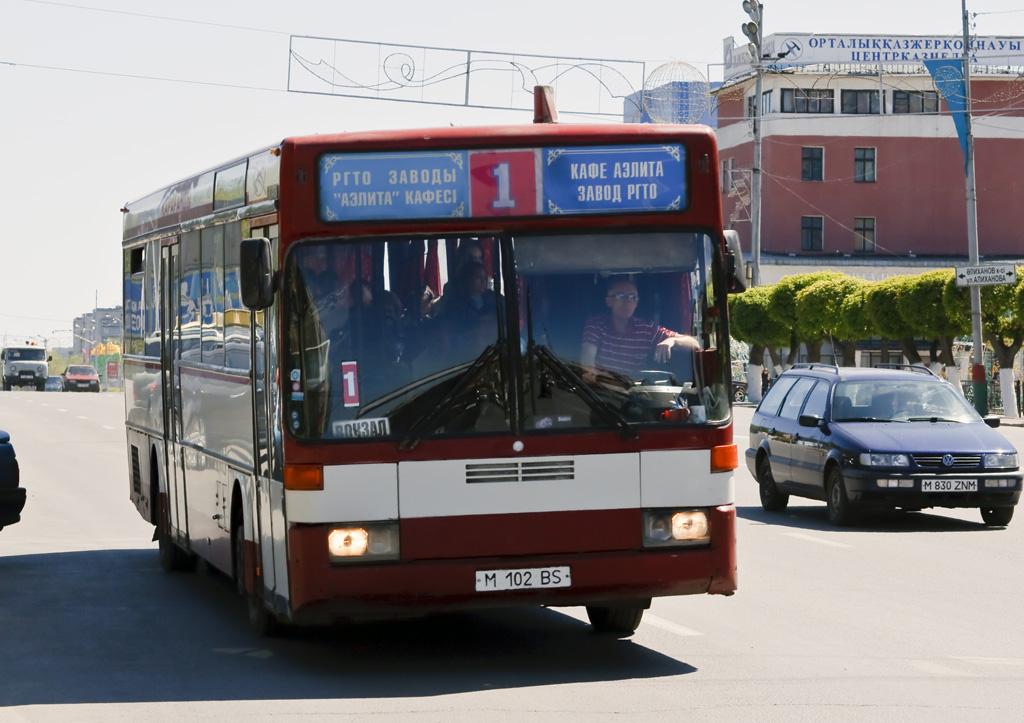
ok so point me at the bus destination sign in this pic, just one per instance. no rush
(502, 182)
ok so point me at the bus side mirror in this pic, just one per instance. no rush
(736, 273)
(257, 273)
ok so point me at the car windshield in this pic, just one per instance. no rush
(903, 400)
(26, 354)
(80, 370)
(414, 338)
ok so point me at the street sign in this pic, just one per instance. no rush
(988, 275)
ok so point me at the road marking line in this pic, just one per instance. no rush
(669, 626)
(933, 668)
(991, 661)
(819, 540)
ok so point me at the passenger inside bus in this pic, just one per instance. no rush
(623, 344)
(465, 317)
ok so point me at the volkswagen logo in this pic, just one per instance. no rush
(947, 460)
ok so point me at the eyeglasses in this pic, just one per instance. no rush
(623, 296)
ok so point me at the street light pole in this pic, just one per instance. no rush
(754, 30)
(979, 379)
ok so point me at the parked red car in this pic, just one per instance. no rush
(81, 378)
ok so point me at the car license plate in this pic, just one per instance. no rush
(523, 579)
(949, 485)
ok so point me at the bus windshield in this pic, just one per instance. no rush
(415, 338)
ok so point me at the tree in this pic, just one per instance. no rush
(783, 309)
(819, 307)
(883, 299)
(749, 321)
(1002, 326)
(917, 306)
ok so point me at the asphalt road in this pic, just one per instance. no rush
(903, 617)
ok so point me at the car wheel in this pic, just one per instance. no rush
(739, 394)
(997, 516)
(621, 621)
(772, 500)
(840, 511)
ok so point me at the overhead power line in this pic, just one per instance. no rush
(158, 17)
(140, 77)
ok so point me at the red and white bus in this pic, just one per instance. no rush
(355, 379)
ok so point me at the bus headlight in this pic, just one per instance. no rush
(375, 541)
(667, 528)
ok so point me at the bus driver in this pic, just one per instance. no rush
(618, 342)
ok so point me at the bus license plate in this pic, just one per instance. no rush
(522, 579)
(949, 485)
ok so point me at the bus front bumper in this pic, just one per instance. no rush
(322, 593)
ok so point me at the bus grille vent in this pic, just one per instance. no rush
(136, 472)
(521, 471)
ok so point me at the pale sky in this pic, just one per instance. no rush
(104, 101)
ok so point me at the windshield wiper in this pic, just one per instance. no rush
(580, 388)
(932, 419)
(567, 376)
(463, 383)
(860, 419)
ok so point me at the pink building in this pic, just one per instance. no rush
(862, 165)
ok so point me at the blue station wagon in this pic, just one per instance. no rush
(890, 437)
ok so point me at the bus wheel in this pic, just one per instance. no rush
(262, 621)
(172, 557)
(997, 516)
(619, 620)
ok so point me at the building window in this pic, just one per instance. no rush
(766, 104)
(915, 101)
(807, 100)
(811, 233)
(864, 235)
(813, 167)
(864, 165)
(860, 101)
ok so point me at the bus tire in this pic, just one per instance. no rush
(261, 619)
(618, 620)
(172, 557)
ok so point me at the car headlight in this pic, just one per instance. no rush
(360, 542)
(664, 528)
(1000, 460)
(874, 459)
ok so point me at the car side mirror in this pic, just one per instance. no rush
(256, 268)
(809, 420)
(992, 420)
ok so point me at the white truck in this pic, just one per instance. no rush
(24, 366)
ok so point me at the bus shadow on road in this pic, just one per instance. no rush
(813, 517)
(109, 626)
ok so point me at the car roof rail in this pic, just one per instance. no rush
(816, 365)
(919, 368)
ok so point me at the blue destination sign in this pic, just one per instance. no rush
(602, 179)
(365, 186)
(502, 182)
